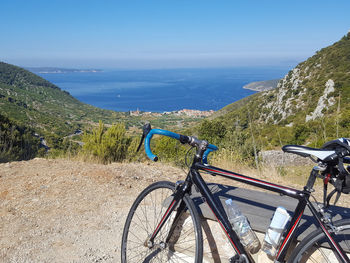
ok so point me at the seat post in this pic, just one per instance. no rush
(311, 181)
(312, 178)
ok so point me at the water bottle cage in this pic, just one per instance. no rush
(277, 230)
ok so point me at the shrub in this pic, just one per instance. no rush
(212, 131)
(16, 142)
(132, 155)
(170, 150)
(108, 145)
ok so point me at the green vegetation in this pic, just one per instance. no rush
(16, 142)
(35, 102)
(170, 150)
(167, 121)
(32, 101)
(266, 120)
(108, 145)
(112, 144)
(270, 119)
(61, 147)
(235, 144)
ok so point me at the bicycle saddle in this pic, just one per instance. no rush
(322, 154)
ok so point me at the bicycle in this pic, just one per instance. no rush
(163, 224)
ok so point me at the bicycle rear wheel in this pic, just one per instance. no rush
(315, 247)
(186, 242)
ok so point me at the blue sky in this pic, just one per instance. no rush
(168, 33)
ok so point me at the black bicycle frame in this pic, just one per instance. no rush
(289, 234)
(219, 213)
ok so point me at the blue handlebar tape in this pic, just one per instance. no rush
(149, 136)
(213, 147)
(210, 149)
(176, 136)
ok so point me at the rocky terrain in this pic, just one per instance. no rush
(310, 105)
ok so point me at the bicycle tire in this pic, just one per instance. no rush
(315, 248)
(185, 245)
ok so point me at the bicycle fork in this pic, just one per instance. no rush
(180, 191)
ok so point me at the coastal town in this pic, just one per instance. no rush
(183, 112)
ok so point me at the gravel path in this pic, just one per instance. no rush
(68, 211)
(64, 211)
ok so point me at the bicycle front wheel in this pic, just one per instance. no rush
(185, 244)
(315, 247)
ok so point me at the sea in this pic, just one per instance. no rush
(162, 90)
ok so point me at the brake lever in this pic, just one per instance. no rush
(145, 130)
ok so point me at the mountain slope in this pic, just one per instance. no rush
(16, 142)
(310, 104)
(312, 88)
(35, 102)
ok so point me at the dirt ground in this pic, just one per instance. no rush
(65, 211)
(69, 211)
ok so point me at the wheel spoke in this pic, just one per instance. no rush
(185, 243)
(316, 247)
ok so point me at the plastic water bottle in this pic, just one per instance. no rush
(273, 234)
(241, 226)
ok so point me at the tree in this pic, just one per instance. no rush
(212, 131)
(16, 142)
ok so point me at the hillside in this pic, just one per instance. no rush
(17, 142)
(35, 102)
(309, 106)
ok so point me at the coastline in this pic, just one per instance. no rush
(162, 91)
(262, 85)
(184, 112)
(53, 70)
